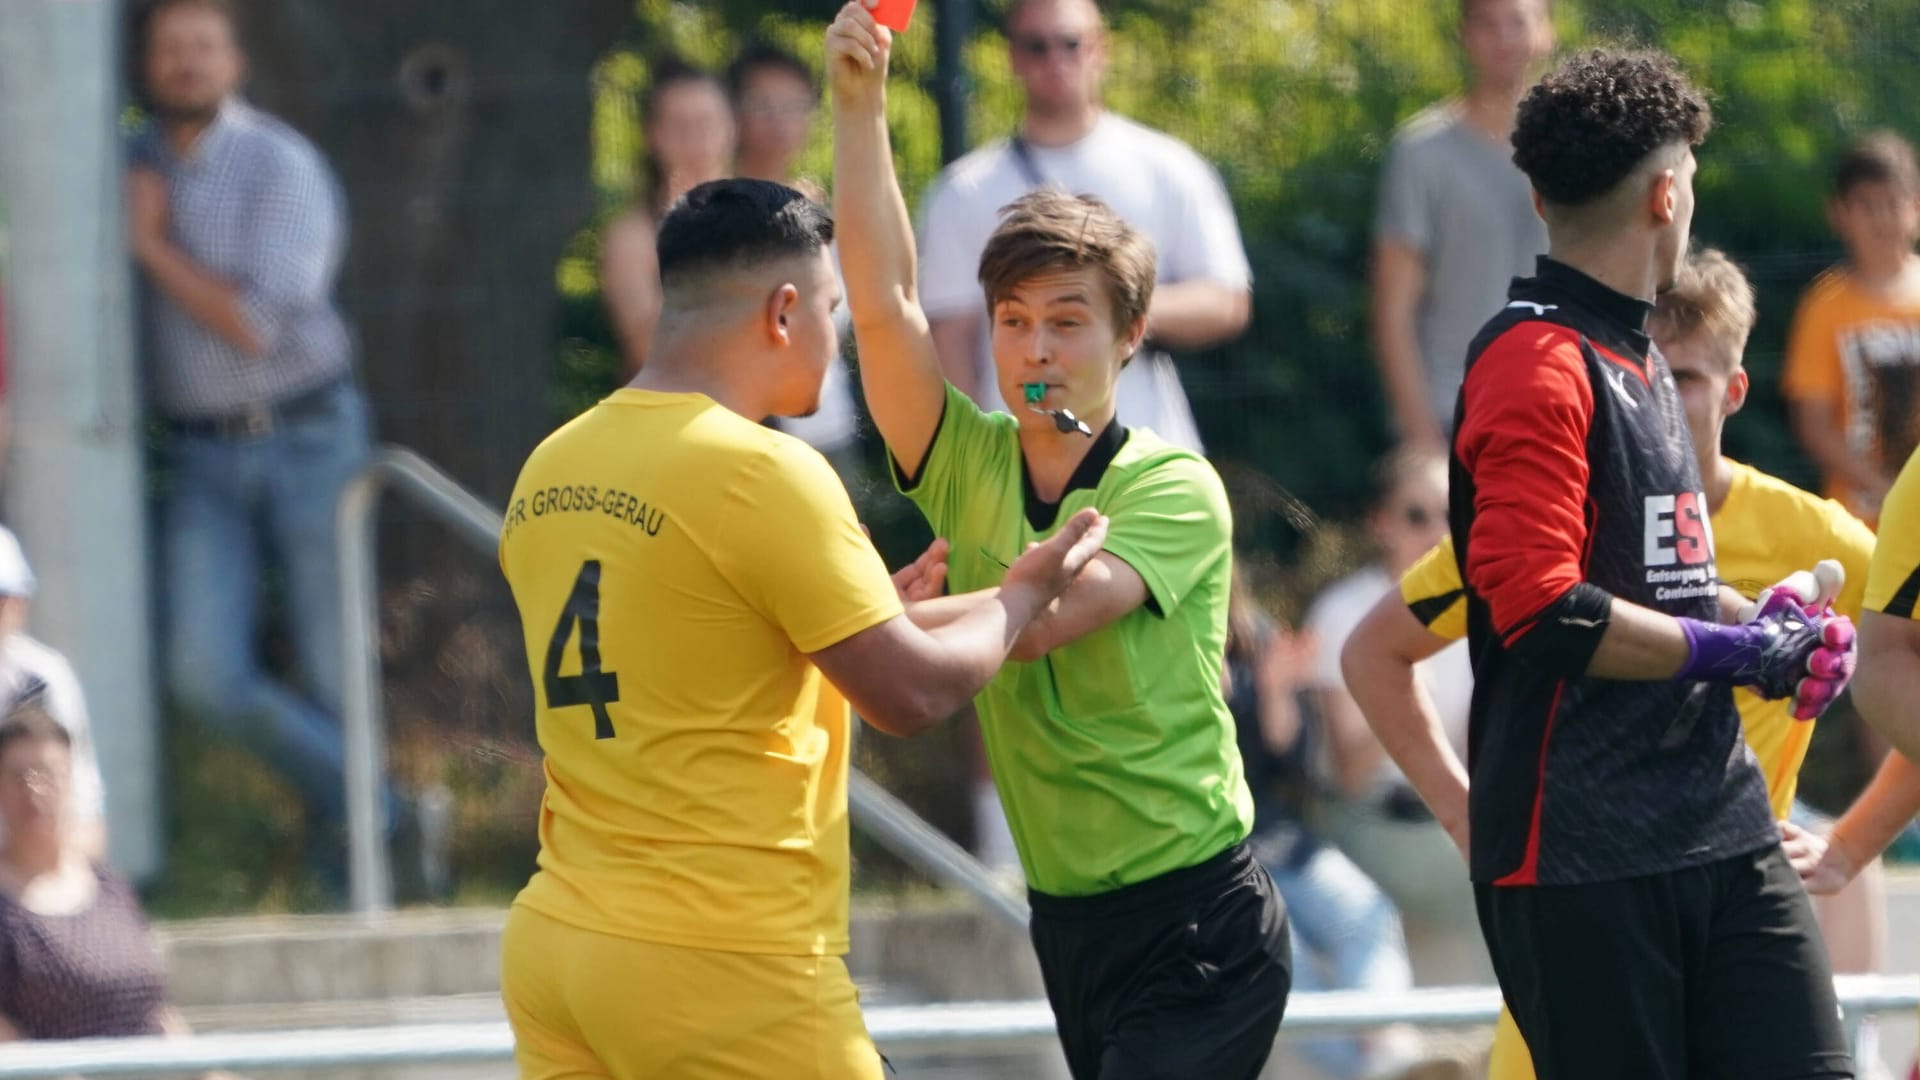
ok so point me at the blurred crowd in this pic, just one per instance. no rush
(236, 227)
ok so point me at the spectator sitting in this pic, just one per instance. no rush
(689, 133)
(1346, 934)
(76, 958)
(30, 670)
(1367, 807)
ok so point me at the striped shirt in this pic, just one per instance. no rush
(254, 203)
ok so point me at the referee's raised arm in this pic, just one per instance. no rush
(899, 369)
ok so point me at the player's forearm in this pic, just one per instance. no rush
(940, 611)
(876, 242)
(899, 370)
(208, 300)
(1639, 644)
(970, 648)
(1197, 314)
(1887, 682)
(1389, 696)
(1880, 813)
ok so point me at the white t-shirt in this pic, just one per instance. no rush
(22, 661)
(1447, 675)
(1155, 182)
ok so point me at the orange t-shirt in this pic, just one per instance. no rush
(1858, 352)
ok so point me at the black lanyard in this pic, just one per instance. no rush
(1023, 157)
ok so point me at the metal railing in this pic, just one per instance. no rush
(403, 472)
(406, 473)
(977, 1026)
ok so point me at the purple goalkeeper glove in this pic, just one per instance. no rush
(1783, 651)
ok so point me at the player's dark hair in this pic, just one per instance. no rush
(728, 223)
(1591, 122)
(29, 721)
(765, 56)
(1878, 157)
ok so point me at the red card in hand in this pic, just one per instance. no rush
(894, 14)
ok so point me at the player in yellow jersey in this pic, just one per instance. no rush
(1764, 530)
(1885, 693)
(700, 606)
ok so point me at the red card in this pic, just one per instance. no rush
(894, 14)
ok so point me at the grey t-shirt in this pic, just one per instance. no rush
(1455, 195)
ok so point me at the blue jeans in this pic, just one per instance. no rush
(1346, 936)
(234, 508)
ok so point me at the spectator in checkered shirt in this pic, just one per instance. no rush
(238, 226)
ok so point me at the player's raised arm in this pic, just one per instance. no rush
(899, 369)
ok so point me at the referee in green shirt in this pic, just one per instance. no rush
(1162, 943)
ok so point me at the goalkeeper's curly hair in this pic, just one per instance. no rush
(1592, 121)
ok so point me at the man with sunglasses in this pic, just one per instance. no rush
(1156, 183)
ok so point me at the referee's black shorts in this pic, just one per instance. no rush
(1713, 972)
(1181, 976)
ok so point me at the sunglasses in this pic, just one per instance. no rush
(1038, 46)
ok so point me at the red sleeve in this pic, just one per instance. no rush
(1523, 439)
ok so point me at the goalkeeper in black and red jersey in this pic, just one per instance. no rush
(1641, 916)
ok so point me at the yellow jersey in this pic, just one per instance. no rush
(1893, 584)
(673, 564)
(1766, 529)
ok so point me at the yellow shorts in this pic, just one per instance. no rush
(1510, 1059)
(585, 1004)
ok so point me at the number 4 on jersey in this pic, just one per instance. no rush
(592, 686)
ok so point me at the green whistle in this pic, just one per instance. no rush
(1036, 391)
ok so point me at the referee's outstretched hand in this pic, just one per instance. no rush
(1050, 566)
